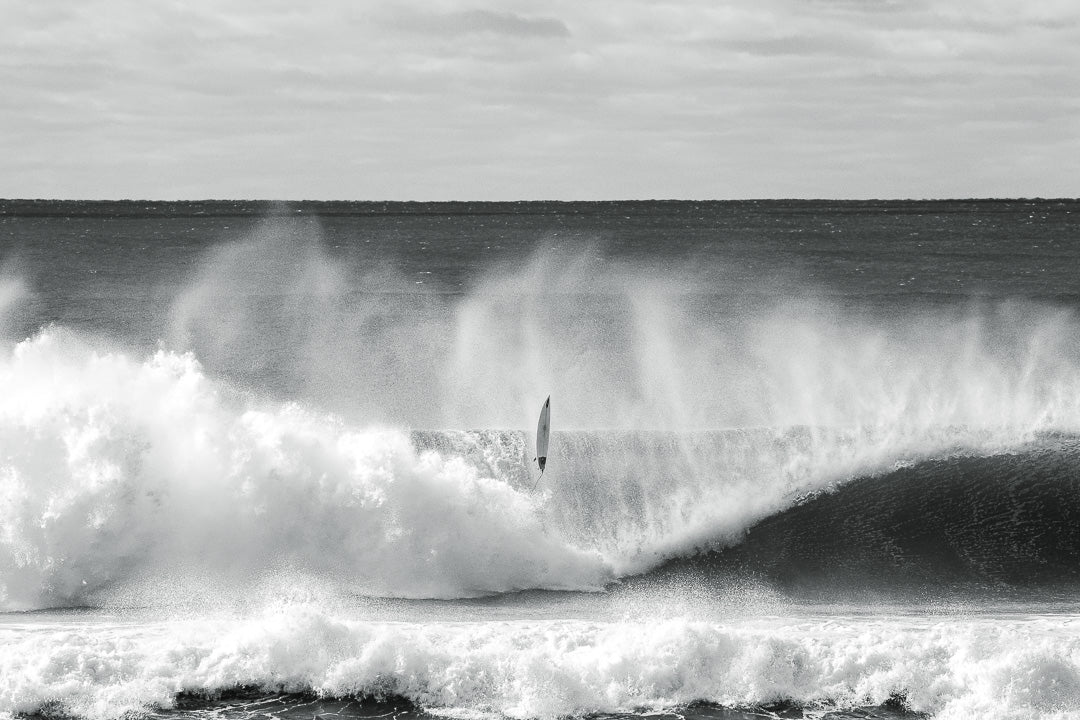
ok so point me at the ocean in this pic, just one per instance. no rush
(809, 459)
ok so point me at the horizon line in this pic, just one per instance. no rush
(549, 201)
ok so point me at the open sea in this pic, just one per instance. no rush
(809, 459)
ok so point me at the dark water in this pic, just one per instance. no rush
(968, 526)
(93, 261)
(809, 459)
(258, 704)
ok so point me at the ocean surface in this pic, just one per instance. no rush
(809, 459)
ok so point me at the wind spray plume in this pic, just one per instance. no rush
(277, 311)
(622, 346)
(582, 324)
(14, 293)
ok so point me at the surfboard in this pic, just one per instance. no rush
(543, 428)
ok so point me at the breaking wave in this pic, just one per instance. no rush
(121, 473)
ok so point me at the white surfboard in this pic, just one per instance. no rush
(543, 428)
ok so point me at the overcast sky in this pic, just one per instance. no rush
(565, 99)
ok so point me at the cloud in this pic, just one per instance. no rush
(801, 45)
(450, 22)
(505, 23)
(451, 99)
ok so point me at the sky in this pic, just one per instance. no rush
(562, 100)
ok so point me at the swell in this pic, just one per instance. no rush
(1002, 523)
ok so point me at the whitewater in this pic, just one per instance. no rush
(295, 479)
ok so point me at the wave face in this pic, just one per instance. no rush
(1002, 522)
(640, 498)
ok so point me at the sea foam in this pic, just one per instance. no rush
(950, 667)
(117, 470)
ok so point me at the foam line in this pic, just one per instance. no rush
(1000, 667)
